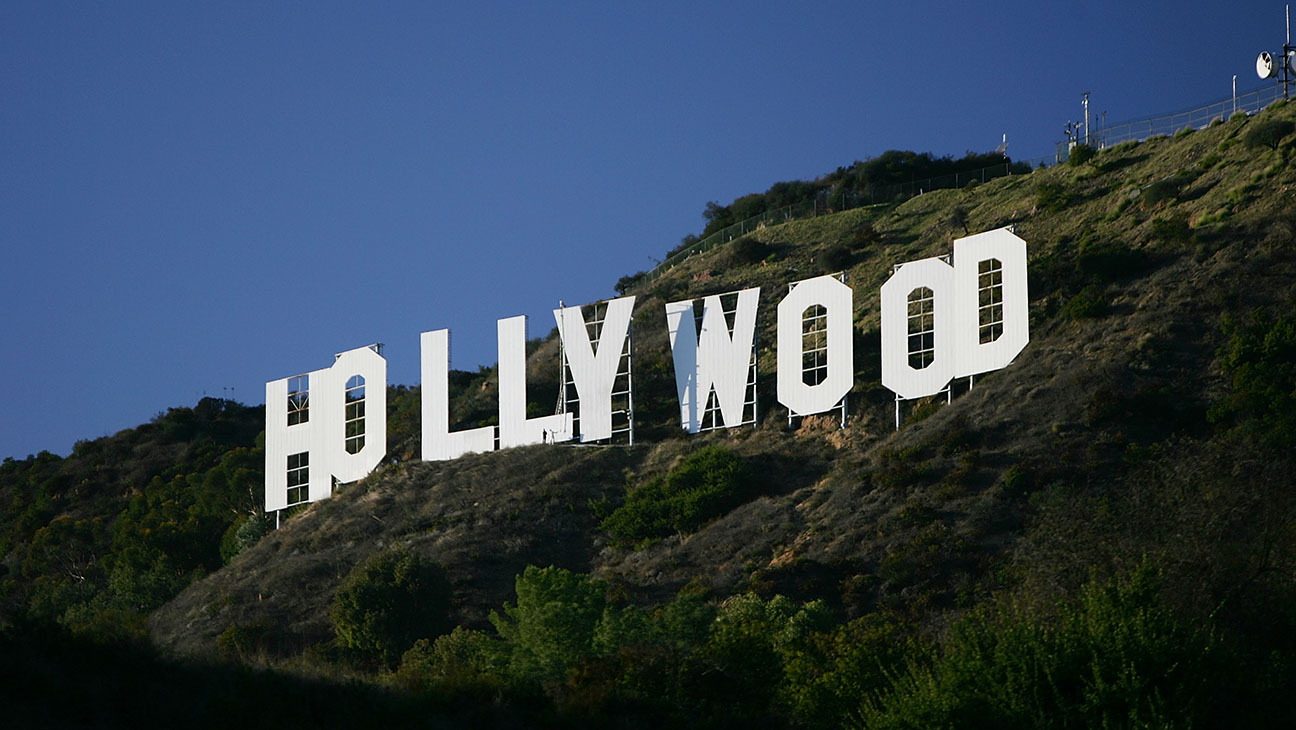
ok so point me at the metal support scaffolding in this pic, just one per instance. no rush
(622, 389)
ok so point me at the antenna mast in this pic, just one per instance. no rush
(1265, 68)
(1086, 110)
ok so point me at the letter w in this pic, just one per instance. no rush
(715, 360)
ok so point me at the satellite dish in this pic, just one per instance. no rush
(1265, 66)
(1291, 61)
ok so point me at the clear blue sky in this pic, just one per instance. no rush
(198, 197)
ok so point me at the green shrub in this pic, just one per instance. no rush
(1172, 229)
(460, 661)
(1052, 196)
(553, 624)
(856, 659)
(1089, 303)
(386, 603)
(243, 534)
(626, 283)
(240, 641)
(707, 484)
(1162, 191)
(748, 250)
(1080, 154)
(865, 234)
(957, 219)
(835, 258)
(1260, 361)
(1268, 133)
(1115, 657)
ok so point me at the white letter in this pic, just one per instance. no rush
(595, 372)
(439, 443)
(1004, 257)
(366, 370)
(515, 429)
(283, 440)
(715, 359)
(793, 393)
(930, 284)
(315, 432)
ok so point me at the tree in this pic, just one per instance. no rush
(957, 217)
(388, 602)
(552, 627)
(1268, 133)
(707, 484)
(1260, 361)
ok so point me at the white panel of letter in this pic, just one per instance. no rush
(438, 442)
(971, 255)
(595, 372)
(316, 434)
(835, 297)
(713, 359)
(913, 281)
(515, 429)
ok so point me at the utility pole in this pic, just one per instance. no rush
(1086, 118)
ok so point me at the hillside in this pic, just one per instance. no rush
(1146, 430)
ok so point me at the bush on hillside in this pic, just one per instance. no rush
(1162, 191)
(243, 534)
(835, 258)
(707, 484)
(388, 602)
(1052, 197)
(1080, 154)
(1268, 133)
(552, 625)
(865, 234)
(1172, 229)
(1114, 657)
(626, 283)
(748, 250)
(1260, 361)
(1089, 303)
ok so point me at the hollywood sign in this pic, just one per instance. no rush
(940, 321)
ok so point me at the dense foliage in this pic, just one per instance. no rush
(1114, 656)
(1260, 359)
(705, 485)
(386, 603)
(878, 179)
(98, 539)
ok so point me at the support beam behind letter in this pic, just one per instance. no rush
(595, 372)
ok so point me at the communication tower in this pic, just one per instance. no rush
(1268, 67)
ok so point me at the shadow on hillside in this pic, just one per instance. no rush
(1121, 163)
(51, 679)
